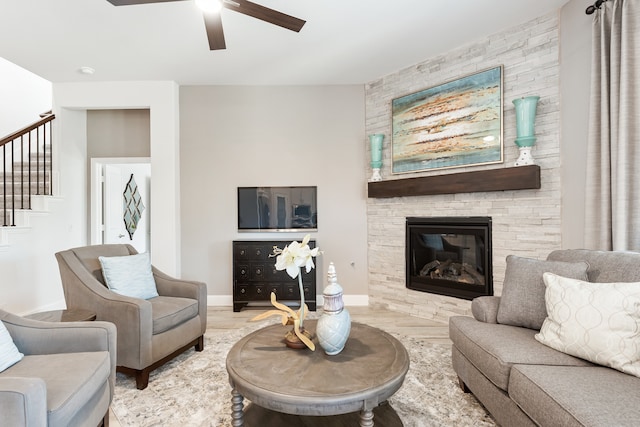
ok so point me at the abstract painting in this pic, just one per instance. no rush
(454, 124)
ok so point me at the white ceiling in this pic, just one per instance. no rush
(343, 41)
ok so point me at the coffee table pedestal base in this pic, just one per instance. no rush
(385, 416)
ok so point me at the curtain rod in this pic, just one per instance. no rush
(594, 6)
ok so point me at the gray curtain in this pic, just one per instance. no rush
(612, 217)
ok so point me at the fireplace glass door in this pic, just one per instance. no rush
(450, 256)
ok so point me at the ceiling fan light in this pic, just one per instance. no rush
(209, 6)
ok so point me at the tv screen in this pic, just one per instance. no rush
(277, 208)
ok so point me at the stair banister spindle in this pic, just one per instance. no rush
(38, 161)
(13, 186)
(21, 171)
(44, 160)
(4, 185)
(29, 168)
(50, 192)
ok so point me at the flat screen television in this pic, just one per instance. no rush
(278, 208)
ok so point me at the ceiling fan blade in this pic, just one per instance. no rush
(265, 14)
(213, 24)
(130, 2)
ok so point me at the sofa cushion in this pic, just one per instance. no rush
(9, 354)
(604, 266)
(522, 300)
(129, 275)
(70, 378)
(599, 322)
(169, 312)
(494, 348)
(576, 396)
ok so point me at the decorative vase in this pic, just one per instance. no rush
(525, 123)
(334, 324)
(376, 155)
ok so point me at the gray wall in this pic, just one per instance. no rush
(118, 133)
(272, 136)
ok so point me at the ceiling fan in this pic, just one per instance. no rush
(213, 21)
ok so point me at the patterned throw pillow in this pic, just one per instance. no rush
(522, 300)
(129, 275)
(599, 322)
(9, 354)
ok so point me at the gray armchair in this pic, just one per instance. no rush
(150, 332)
(66, 377)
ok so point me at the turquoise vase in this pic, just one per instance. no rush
(525, 124)
(376, 155)
(334, 325)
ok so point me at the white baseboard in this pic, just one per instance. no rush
(356, 300)
(349, 300)
(220, 300)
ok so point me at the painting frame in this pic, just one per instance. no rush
(455, 124)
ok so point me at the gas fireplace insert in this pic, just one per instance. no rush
(449, 256)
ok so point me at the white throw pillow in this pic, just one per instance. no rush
(9, 354)
(599, 322)
(129, 275)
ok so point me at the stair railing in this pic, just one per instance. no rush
(26, 164)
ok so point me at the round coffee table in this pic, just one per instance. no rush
(369, 370)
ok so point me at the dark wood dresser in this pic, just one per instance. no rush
(255, 276)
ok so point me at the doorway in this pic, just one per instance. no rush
(121, 202)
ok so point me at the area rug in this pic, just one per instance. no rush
(193, 389)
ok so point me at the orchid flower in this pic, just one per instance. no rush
(295, 256)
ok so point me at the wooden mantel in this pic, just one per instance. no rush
(513, 178)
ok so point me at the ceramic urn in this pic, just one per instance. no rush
(334, 324)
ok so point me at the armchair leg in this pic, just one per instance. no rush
(105, 421)
(200, 343)
(142, 378)
(463, 386)
(142, 375)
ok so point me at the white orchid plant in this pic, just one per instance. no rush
(293, 258)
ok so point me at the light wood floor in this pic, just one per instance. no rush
(223, 318)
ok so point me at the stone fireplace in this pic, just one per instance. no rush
(525, 222)
(449, 256)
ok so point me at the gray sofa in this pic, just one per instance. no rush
(522, 382)
(66, 377)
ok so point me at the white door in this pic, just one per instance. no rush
(126, 205)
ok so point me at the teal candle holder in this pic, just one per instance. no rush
(376, 155)
(525, 124)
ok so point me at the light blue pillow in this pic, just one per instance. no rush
(9, 354)
(129, 275)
